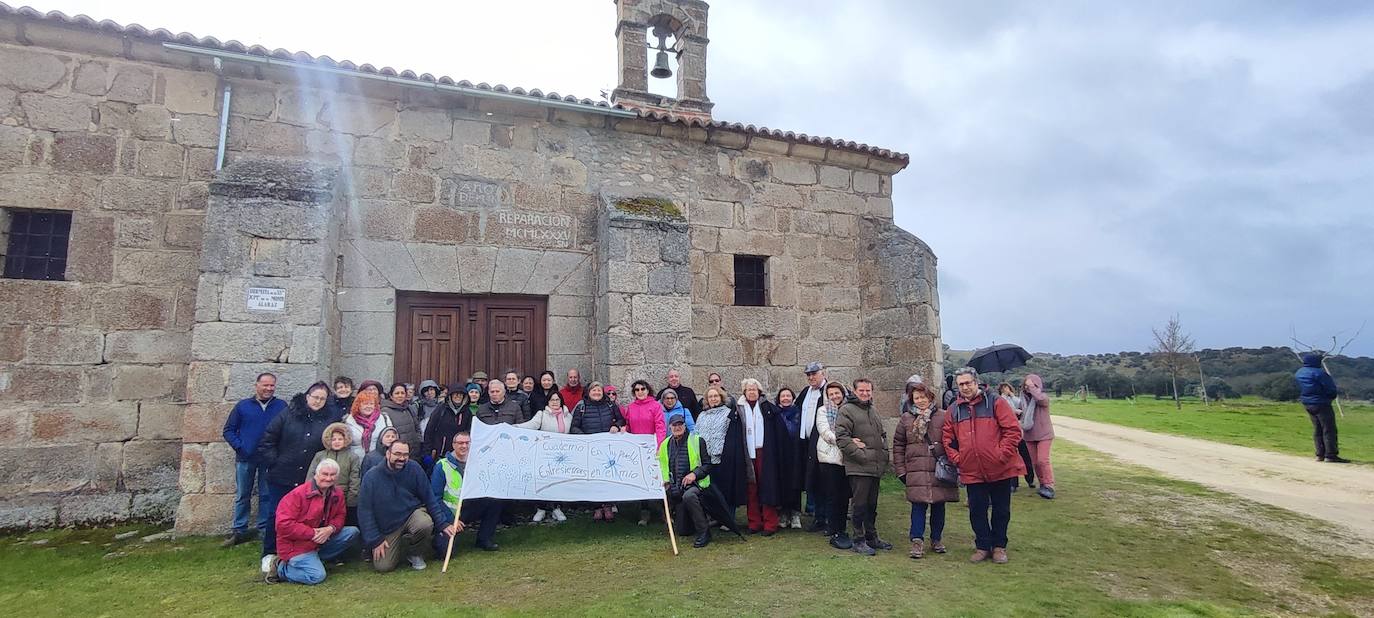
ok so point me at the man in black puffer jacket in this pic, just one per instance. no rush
(287, 448)
(596, 413)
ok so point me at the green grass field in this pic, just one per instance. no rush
(1260, 423)
(1120, 541)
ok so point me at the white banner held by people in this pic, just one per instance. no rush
(523, 464)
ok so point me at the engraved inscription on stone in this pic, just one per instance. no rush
(530, 229)
(479, 194)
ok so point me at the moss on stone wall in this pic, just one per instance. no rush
(649, 207)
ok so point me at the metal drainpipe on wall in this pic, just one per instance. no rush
(223, 115)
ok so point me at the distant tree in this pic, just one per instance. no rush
(1219, 389)
(1171, 348)
(1279, 388)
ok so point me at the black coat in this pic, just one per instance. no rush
(443, 424)
(539, 398)
(292, 439)
(779, 479)
(595, 417)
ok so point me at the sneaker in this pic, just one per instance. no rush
(270, 574)
(1046, 492)
(937, 546)
(643, 518)
(1320, 459)
(999, 555)
(877, 543)
(979, 556)
(861, 547)
(1337, 459)
(841, 541)
(558, 515)
(538, 516)
(416, 562)
(796, 521)
(488, 547)
(918, 549)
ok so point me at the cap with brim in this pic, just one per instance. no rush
(676, 417)
(480, 375)
(814, 367)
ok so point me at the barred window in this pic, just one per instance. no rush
(751, 280)
(37, 244)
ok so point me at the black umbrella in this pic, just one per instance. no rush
(998, 358)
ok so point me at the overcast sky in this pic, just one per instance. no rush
(1083, 170)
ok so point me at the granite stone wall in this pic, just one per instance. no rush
(114, 384)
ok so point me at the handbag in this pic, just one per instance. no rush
(946, 473)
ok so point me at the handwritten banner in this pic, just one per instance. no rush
(523, 464)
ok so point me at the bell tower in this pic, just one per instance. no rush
(640, 22)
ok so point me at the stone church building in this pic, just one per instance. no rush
(178, 214)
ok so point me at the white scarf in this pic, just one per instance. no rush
(810, 403)
(753, 424)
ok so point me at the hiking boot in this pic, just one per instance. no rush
(416, 562)
(1046, 492)
(1337, 459)
(539, 516)
(488, 547)
(703, 539)
(558, 515)
(999, 555)
(979, 556)
(918, 549)
(861, 547)
(269, 566)
(877, 543)
(841, 541)
(796, 520)
(937, 546)
(238, 538)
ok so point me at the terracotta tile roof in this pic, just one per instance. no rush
(163, 35)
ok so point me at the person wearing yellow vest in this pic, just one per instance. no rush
(685, 476)
(447, 484)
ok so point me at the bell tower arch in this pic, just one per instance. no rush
(684, 23)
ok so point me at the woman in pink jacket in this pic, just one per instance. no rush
(1038, 432)
(644, 415)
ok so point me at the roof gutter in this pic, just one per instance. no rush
(402, 81)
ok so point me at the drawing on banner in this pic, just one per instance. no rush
(523, 464)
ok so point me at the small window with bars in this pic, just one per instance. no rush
(751, 280)
(36, 247)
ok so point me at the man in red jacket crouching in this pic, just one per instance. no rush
(980, 437)
(311, 530)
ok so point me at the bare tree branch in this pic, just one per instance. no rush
(1171, 347)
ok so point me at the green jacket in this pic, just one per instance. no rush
(860, 420)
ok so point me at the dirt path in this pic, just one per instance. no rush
(1339, 493)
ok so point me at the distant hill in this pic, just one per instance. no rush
(1266, 372)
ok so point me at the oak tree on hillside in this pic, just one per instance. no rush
(1171, 348)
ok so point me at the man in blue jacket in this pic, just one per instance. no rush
(1316, 392)
(397, 512)
(242, 430)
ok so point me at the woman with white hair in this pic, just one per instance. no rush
(769, 450)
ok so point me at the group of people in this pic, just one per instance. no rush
(338, 469)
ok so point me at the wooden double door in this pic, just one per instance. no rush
(447, 337)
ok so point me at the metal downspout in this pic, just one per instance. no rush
(223, 116)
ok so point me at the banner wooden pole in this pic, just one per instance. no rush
(449, 553)
(668, 517)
